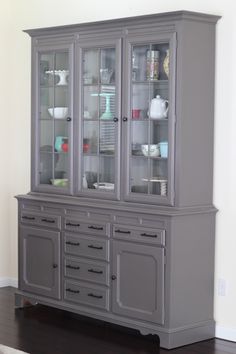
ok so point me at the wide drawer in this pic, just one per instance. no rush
(40, 219)
(87, 295)
(139, 234)
(86, 246)
(86, 270)
(93, 227)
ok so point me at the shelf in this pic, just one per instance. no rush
(99, 155)
(162, 120)
(99, 84)
(54, 86)
(150, 157)
(153, 82)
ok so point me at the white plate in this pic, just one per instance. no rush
(105, 186)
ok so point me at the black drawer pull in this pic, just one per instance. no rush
(28, 217)
(96, 296)
(95, 247)
(95, 271)
(148, 235)
(72, 243)
(95, 227)
(72, 267)
(72, 291)
(122, 231)
(71, 224)
(48, 220)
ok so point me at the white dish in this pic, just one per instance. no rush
(155, 179)
(104, 186)
(58, 112)
(150, 150)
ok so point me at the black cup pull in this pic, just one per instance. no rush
(95, 271)
(72, 291)
(122, 231)
(148, 235)
(69, 266)
(95, 247)
(95, 227)
(96, 296)
(72, 243)
(115, 119)
(68, 119)
(72, 224)
(48, 221)
(28, 217)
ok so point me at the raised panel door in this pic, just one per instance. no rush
(138, 281)
(40, 261)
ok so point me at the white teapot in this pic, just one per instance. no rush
(158, 108)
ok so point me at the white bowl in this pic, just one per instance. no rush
(150, 150)
(58, 112)
(104, 186)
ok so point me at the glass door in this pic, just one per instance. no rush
(98, 166)
(150, 112)
(53, 123)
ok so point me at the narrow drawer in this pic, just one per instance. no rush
(139, 234)
(92, 228)
(86, 247)
(40, 219)
(86, 295)
(86, 270)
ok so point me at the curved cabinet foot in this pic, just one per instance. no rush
(22, 301)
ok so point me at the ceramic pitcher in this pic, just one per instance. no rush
(158, 108)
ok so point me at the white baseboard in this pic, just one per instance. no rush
(8, 282)
(226, 333)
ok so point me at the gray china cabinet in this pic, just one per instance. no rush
(119, 223)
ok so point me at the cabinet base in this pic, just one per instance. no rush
(169, 338)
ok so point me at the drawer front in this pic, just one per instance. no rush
(92, 228)
(156, 236)
(86, 295)
(40, 219)
(86, 247)
(86, 270)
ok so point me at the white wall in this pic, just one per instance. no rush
(15, 118)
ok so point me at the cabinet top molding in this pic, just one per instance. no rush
(154, 19)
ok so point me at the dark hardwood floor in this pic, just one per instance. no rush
(43, 330)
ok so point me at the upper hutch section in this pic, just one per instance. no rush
(123, 110)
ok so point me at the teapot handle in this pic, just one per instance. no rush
(166, 103)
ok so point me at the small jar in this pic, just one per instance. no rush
(153, 64)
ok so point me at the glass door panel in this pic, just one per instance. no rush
(99, 120)
(54, 145)
(149, 123)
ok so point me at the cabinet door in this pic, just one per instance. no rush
(138, 290)
(39, 259)
(52, 119)
(98, 109)
(149, 122)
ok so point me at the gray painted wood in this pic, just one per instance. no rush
(160, 284)
(138, 290)
(40, 257)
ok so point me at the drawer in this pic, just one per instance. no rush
(92, 228)
(40, 219)
(86, 295)
(139, 234)
(86, 246)
(86, 270)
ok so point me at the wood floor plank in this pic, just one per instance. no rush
(43, 330)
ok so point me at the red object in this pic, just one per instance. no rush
(65, 147)
(85, 147)
(136, 113)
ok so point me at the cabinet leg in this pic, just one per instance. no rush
(21, 301)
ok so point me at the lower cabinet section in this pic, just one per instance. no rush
(86, 294)
(138, 288)
(40, 261)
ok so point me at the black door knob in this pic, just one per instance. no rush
(115, 119)
(68, 119)
(124, 119)
(113, 277)
(54, 265)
